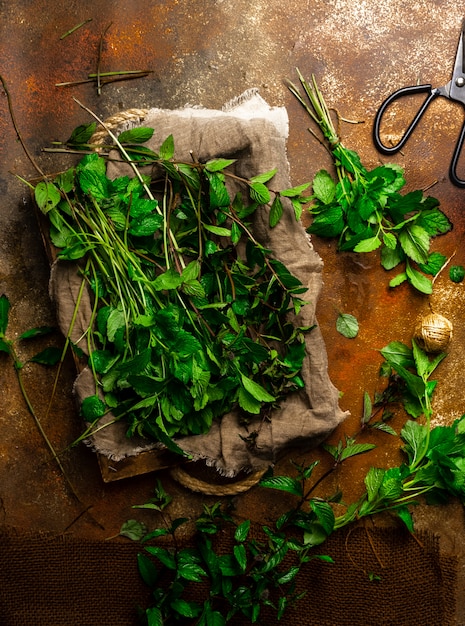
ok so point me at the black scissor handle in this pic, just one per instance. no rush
(400, 93)
(458, 182)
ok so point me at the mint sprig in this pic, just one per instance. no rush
(365, 209)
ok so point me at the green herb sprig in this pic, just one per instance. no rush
(184, 328)
(364, 208)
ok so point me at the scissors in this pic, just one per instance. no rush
(454, 90)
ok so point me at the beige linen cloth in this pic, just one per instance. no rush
(249, 130)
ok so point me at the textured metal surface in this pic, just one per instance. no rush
(205, 53)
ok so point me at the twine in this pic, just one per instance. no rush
(115, 121)
(211, 489)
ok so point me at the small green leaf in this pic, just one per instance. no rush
(347, 325)
(256, 390)
(390, 241)
(368, 245)
(398, 280)
(218, 230)
(166, 151)
(4, 312)
(92, 408)
(39, 331)
(48, 356)
(294, 192)
(324, 187)
(354, 449)
(141, 134)
(242, 531)
(276, 211)
(154, 616)
(216, 165)
(133, 529)
(263, 178)
(240, 556)
(373, 481)
(418, 280)
(147, 570)
(457, 273)
(259, 193)
(283, 483)
(186, 609)
(415, 242)
(82, 134)
(47, 196)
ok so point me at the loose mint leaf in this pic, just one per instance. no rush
(263, 178)
(47, 196)
(141, 134)
(324, 188)
(347, 325)
(457, 273)
(276, 211)
(216, 165)
(132, 529)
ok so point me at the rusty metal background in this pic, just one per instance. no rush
(205, 53)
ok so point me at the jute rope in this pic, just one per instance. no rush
(215, 489)
(117, 120)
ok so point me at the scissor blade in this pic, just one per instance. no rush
(456, 86)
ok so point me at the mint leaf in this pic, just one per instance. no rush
(347, 325)
(141, 134)
(324, 188)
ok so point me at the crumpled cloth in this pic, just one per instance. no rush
(249, 130)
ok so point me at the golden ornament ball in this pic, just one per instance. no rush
(434, 332)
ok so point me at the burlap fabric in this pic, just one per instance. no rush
(254, 134)
(49, 580)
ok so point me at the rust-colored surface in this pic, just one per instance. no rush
(205, 53)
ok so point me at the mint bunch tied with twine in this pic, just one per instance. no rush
(365, 209)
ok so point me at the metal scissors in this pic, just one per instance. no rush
(454, 90)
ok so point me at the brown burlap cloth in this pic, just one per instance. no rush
(249, 130)
(65, 581)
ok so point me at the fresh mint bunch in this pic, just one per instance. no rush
(185, 326)
(365, 209)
